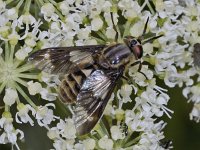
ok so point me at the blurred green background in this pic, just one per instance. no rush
(184, 133)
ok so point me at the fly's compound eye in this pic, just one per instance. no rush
(138, 51)
(133, 43)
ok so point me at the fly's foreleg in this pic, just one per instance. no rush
(140, 67)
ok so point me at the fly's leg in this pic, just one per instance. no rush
(140, 67)
(139, 70)
(114, 27)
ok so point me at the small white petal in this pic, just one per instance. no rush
(96, 23)
(10, 96)
(34, 88)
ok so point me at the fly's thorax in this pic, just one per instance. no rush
(115, 56)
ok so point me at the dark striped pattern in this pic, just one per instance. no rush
(72, 83)
(116, 53)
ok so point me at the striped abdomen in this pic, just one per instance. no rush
(72, 83)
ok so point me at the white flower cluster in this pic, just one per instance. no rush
(92, 18)
(18, 37)
(178, 63)
(137, 105)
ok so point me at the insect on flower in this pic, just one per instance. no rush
(89, 74)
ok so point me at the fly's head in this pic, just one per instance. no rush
(135, 46)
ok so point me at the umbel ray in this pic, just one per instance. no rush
(90, 73)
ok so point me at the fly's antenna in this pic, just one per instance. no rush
(145, 27)
(141, 38)
(114, 27)
(152, 39)
(144, 30)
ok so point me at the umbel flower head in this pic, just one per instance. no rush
(132, 117)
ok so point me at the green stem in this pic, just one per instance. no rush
(2, 86)
(25, 68)
(27, 76)
(52, 2)
(103, 128)
(40, 2)
(7, 108)
(21, 81)
(12, 49)
(56, 10)
(99, 41)
(18, 101)
(27, 6)
(19, 4)
(1, 61)
(16, 62)
(8, 1)
(127, 28)
(150, 7)
(25, 96)
(6, 51)
(143, 5)
(101, 35)
(132, 142)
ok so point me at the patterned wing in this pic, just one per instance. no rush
(58, 60)
(93, 97)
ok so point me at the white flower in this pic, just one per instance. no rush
(30, 42)
(79, 146)
(84, 33)
(53, 133)
(96, 23)
(110, 32)
(135, 30)
(10, 133)
(116, 133)
(194, 93)
(159, 5)
(47, 95)
(55, 27)
(67, 128)
(195, 113)
(26, 19)
(13, 38)
(21, 54)
(108, 19)
(22, 116)
(142, 77)
(105, 143)
(139, 121)
(89, 144)
(34, 88)
(10, 96)
(125, 92)
(64, 144)
(119, 113)
(2, 5)
(147, 48)
(109, 110)
(64, 7)
(44, 115)
(12, 13)
(48, 9)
